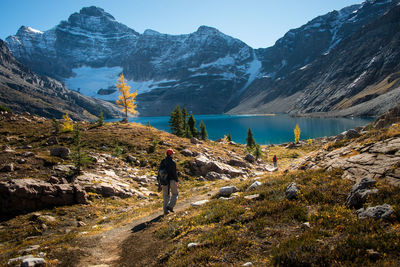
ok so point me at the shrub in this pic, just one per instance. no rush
(5, 108)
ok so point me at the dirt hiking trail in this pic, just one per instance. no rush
(132, 244)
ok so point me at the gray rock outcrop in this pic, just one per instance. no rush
(31, 194)
(226, 191)
(291, 191)
(384, 211)
(359, 193)
(203, 165)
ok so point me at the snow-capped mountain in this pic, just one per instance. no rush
(206, 70)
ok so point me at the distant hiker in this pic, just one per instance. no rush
(274, 159)
(168, 181)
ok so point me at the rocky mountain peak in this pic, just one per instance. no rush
(207, 30)
(23, 30)
(94, 11)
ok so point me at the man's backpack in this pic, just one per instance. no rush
(162, 176)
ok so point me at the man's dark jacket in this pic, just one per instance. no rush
(171, 168)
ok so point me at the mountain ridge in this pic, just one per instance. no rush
(206, 70)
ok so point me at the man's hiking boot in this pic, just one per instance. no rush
(170, 209)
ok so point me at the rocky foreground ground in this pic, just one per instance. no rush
(322, 195)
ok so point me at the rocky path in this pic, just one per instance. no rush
(105, 249)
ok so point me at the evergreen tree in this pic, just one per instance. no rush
(56, 126)
(188, 133)
(184, 118)
(192, 125)
(250, 139)
(229, 137)
(80, 158)
(100, 122)
(257, 151)
(203, 131)
(176, 122)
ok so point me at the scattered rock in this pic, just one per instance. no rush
(254, 185)
(251, 197)
(131, 159)
(291, 191)
(57, 180)
(21, 161)
(80, 224)
(192, 245)
(187, 153)
(216, 176)
(29, 249)
(195, 141)
(52, 141)
(226, 191)
(63, 168)
(200, 203)
(350, 134)
(238, 163)
(33, 262)
(61, 152)
(373, 255)
(28, 154)
(144, 163)
(359, 193)
(358, 198)
(363, 184)
(384, 211)
(15, 261)
(7, 168)
(290, 145)
(250, 158)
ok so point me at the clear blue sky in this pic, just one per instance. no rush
(259, 23)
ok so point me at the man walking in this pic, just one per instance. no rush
(170, 189)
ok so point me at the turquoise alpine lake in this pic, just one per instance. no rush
(274, 129)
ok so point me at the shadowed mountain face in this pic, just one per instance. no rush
(24, 91)
(359, 76)
(207, 70)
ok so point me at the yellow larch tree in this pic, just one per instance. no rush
(297, 134)
(126, 99)
(67, 125)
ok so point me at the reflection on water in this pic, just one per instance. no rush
(267, 129)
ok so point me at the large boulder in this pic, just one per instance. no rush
(359, 193)
(203, 165)
(107, 185)
(226, 191)
(62, 152)
(238, 163)
(33, 262)
(291, 191)
(20, 195)
(384, 211)
(250, 158)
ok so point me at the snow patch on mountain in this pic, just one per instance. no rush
(253, 71)
(88, 81)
